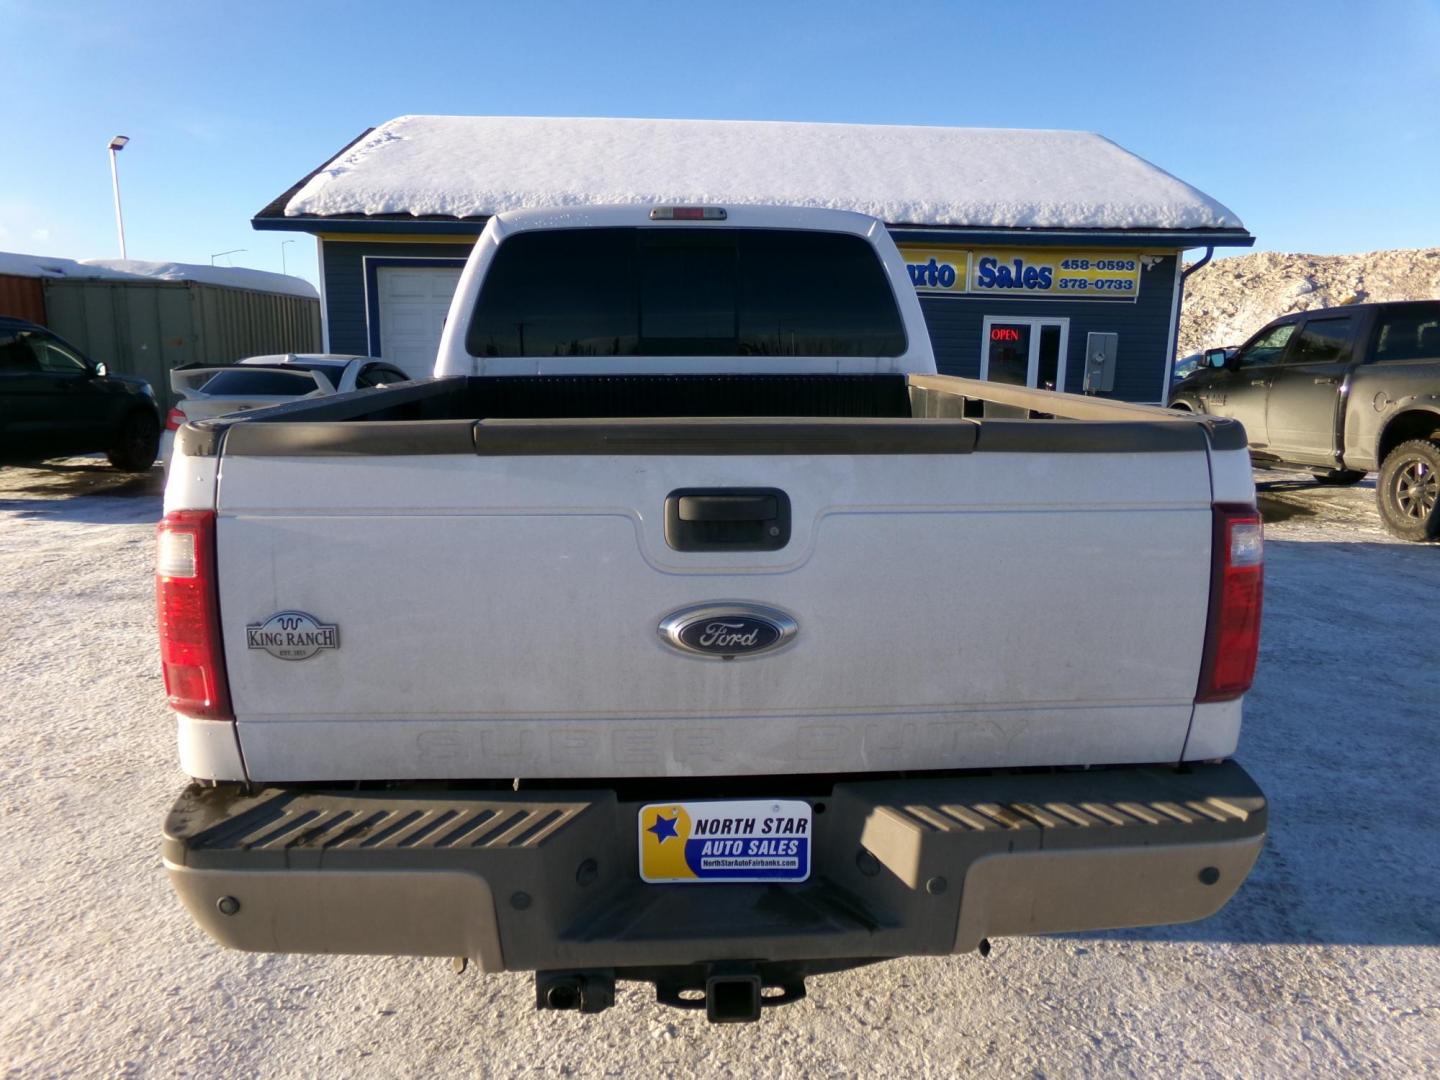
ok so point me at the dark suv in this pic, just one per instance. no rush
(56, 401)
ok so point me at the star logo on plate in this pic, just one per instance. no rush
(664, 828)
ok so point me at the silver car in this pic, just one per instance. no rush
(258, 381)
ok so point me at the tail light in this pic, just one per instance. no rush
(173, 419)
(1237, 581)
(187, 606)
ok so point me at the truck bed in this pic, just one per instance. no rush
(527, 414)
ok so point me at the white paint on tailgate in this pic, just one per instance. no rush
(209, 749)
(190, 483)
(501, 598)
(752, 744)
(1231, 475)
(1215, 730)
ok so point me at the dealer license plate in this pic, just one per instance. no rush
(749, 840)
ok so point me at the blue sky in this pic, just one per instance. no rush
(1318, 123)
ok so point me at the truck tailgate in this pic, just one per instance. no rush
(497, 616)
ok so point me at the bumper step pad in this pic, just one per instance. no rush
(549, 881)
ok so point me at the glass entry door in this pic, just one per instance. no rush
(1024, 351)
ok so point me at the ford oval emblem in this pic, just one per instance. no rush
(727, 631)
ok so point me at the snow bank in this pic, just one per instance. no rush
(1230, 299)
(474, 166)
(233, 277)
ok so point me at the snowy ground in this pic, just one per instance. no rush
(1328, 961)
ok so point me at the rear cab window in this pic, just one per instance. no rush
(1411, 333)
(685, 292)
(260, 382)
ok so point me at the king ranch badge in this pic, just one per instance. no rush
(749, 840)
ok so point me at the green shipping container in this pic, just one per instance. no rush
(148, 327)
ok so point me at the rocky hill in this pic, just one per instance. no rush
(1228, 300)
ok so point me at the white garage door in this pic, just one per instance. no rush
(413, 304)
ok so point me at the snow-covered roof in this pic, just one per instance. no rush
(234, 277)
(475, 166)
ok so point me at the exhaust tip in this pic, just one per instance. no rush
(582, 991)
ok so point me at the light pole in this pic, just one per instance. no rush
(283, 270)
(232, 251)
(115, 146)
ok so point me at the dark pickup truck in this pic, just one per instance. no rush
(1342, 392)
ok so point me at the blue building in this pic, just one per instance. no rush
(1034, 252)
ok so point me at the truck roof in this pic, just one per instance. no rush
(1347, 308)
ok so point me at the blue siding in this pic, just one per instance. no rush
(954, 323)
(1144, 328)
(345, 284)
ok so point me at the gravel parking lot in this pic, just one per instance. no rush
(1328, 961)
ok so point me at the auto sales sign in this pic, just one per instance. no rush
(1024, 273)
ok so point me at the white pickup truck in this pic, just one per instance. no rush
(688, 628)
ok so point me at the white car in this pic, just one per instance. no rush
(268, 380)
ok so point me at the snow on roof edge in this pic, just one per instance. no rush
(234, 277)
(473, 167)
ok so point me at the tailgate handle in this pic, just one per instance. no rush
(727, 507)
(727, 519)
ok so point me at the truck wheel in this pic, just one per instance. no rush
(137, 444)
(1409, 490)
(1339, 477)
